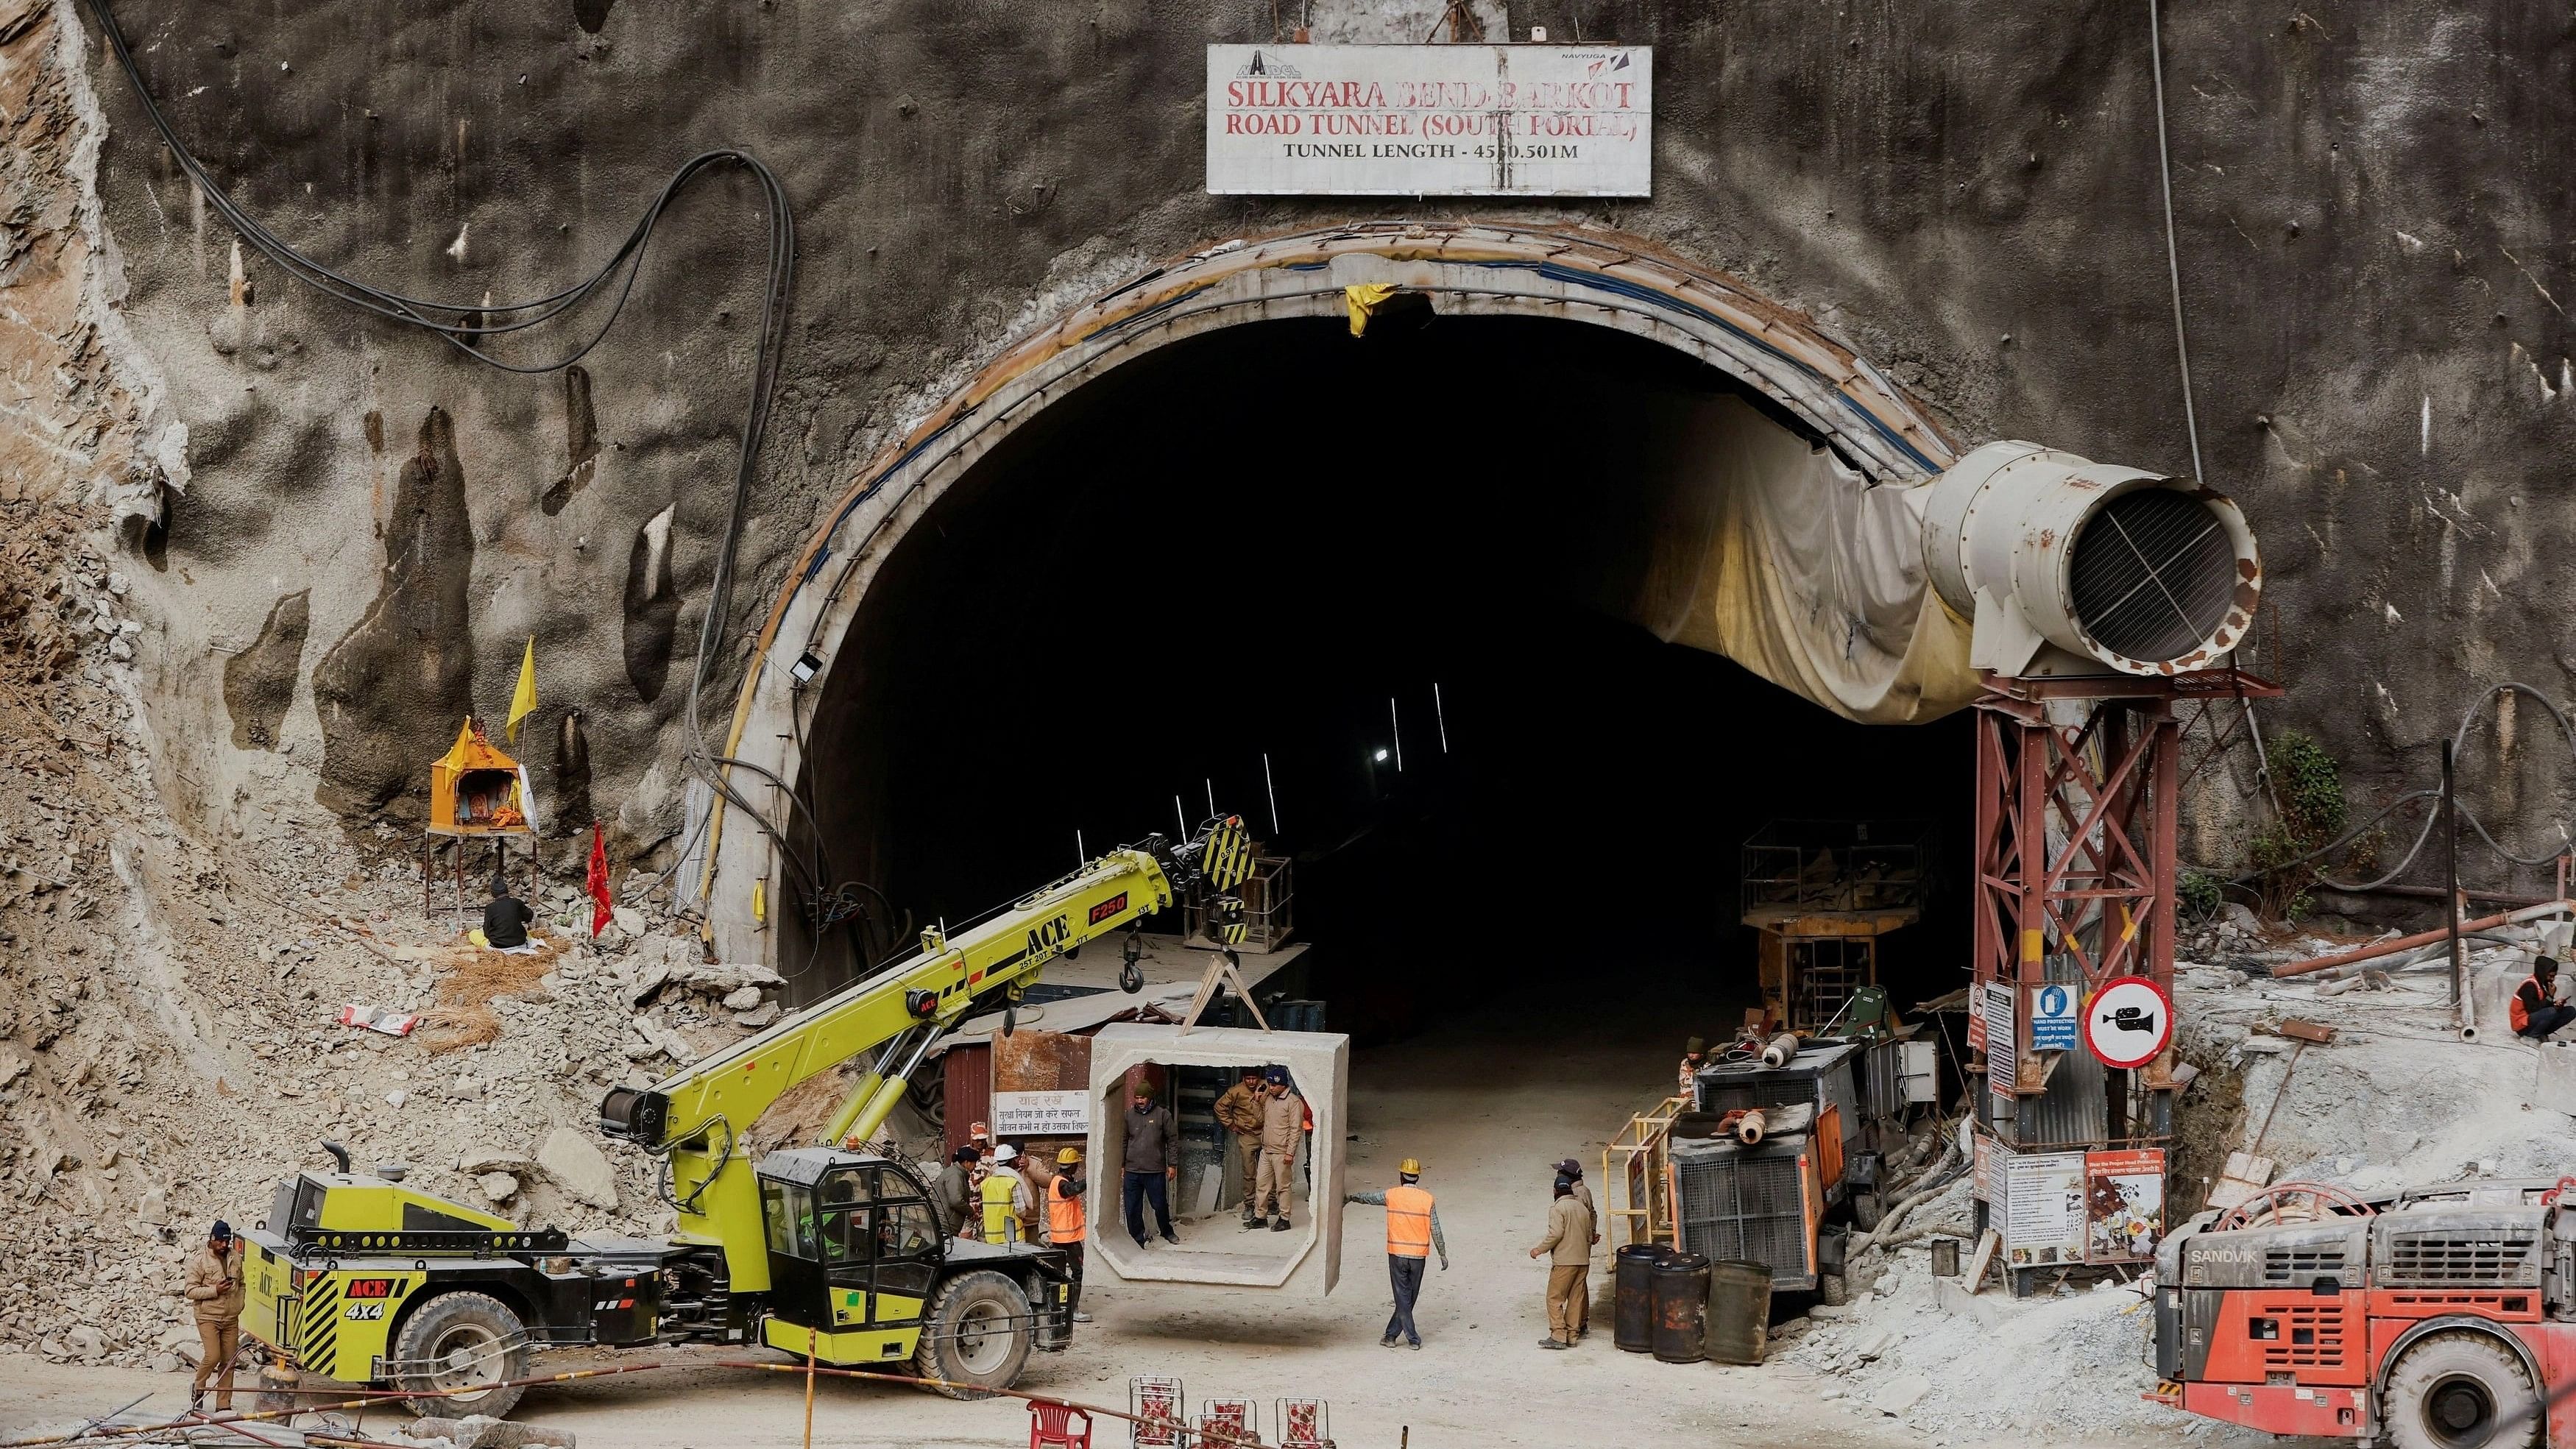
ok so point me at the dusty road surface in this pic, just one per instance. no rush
(1487, 1104)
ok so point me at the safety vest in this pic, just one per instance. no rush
(1001, 1222)
(1064, 1213)
(1408, 1222)
(2520, 1013)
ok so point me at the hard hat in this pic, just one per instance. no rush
(1006, 1153)
(1410, 1167)
(1068, 1156)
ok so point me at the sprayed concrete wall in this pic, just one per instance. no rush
(357, 529)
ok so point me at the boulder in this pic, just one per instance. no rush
(578, 1167)
(1900, 1393)
(498, 1187)
(484, 1157)
(742, 998)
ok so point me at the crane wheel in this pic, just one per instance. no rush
(454, 1343)
(976, 1336)
(2461, 1391)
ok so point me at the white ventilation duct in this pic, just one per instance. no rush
(2066, 565)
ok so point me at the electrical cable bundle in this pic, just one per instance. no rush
(469, 327)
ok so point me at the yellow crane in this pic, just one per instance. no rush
(357, 1278)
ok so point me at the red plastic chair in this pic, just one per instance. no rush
(1052, 1425)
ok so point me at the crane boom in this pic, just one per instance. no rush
(698, 1115)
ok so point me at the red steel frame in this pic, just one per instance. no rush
(2109, 783)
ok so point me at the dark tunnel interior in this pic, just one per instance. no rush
(1246, 563)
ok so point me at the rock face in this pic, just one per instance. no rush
(1970, 194)
(579, 1168)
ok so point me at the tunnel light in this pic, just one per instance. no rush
(804, 669)
(1380, 756)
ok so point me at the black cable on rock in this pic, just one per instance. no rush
(467, 325)
(2459, 739)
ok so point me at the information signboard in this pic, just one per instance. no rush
(1041, 1114)
(2043, 1208)
(1430, 120)
(2124, 1205)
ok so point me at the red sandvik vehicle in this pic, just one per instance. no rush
(2441, 1318)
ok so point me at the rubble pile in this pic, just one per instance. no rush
(2396, 1098)
(182, 1025)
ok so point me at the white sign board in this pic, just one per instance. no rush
(1041, 1114)
(2043, 1208)
(1430, 120)
(2002, 1037)
(2128, 1021)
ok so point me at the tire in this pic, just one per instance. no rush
(1866, 1210)
(2461, 1390)
(465, 1330)
(976, 1336)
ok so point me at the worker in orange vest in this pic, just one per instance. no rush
(1065, 1227)
(1412, 1233)
(2536, 1009)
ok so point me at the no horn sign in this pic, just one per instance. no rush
(2128, 1021)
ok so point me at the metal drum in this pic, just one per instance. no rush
(1739, 1310)
(1681, 1308)
(1632, 1295)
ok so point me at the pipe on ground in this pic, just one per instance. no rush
(2395, 944)
(1781, 1050)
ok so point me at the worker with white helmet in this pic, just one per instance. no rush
(1005, 1197)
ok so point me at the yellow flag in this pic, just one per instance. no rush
(523, 700)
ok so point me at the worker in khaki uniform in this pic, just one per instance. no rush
(214, 1290)
(1571, 1173)
(1238, 1111)
(1412, 1232)
(1568, 1245)
(1283, 1122)
(1065, 1226)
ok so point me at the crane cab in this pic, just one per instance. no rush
(854, 1247)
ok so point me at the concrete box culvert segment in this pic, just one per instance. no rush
(1306, 1261)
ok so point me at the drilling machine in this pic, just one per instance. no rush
(2439, 1318)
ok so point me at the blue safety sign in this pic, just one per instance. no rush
(2053, 1012)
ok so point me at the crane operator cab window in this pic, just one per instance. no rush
(853, 1241)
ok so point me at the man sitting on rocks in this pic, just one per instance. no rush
(2536, 1009)
(505, 920)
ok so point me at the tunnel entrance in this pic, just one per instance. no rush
(1378, 596)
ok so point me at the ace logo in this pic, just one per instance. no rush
(1043, 940)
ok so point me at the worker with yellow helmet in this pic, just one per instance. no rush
(1065, 1226)
(1412, 1234)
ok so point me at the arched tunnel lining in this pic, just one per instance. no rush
(1247, 543)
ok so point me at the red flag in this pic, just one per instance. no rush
(600, 910)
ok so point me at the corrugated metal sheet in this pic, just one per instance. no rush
(2074, 1111)
(967, 1089)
